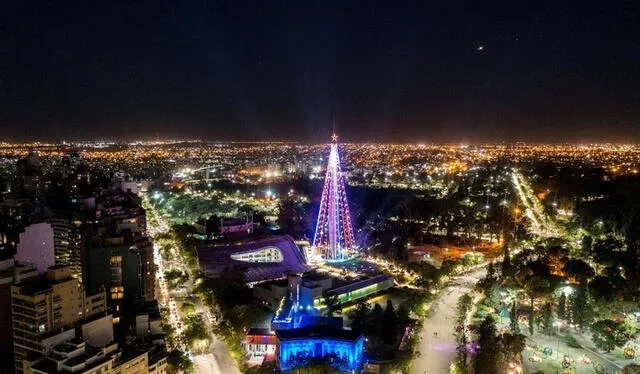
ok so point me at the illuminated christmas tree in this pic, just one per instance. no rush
(334, 234)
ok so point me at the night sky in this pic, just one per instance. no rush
(426, 71)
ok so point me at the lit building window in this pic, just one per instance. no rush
(117, 293)
(266, 254)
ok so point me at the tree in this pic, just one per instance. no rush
(292, 218)
(180, 361)
(332, 303)
(511, 346)
(403, 313)
(487, 283)
(581, 308)
(456, 368)
(608, 334)
(606, 251)
(514, 326)
(506, 267)
(535, 286)
(359, 315)
(196, 333)
(390, 326)
(487, 358)
(491, 271)
(462, 354)
(376, 320)
(631, 369)
(175, 277)
(579, 270)
(587, 245)
(547, 318)
(464, 304)
(562, 306)
(266, 368)
(188, 308)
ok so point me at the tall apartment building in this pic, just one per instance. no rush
(10, 272)
(29, 175)
(144, 250)
(122, 218)
(124, 266)
(69, 242)
(13, 217)
(44, 307)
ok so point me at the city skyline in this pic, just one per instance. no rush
(203, 256)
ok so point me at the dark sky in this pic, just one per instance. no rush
(278, 70)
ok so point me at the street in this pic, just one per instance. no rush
(217, 359)
(437, 352)
(541, 224)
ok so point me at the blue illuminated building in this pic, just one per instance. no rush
(343, 349)
(303, 336)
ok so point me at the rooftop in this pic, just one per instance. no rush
(318, 332)
(35, 288)
(275, 282)
(259, 331)
(357, 284)
(214, 260)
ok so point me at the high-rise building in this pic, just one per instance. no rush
(144, 250)
(10, 272)
(13, 217)
(124, 266)
(120, 218)
(29, 176)
(42, 307)
(334, 234)
(68, 243)
(70, 162)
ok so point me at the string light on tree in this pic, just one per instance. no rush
(334, 234)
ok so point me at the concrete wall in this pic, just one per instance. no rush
(35, 245)
(98, 333)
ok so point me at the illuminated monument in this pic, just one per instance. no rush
(334, 235)
(303, 335)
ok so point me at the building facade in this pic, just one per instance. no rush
(124, 266)
(297, 347)
(39, 308)
(36, 246)
(95, 352)
(10, 273)
(259, 259)
(69, 242)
